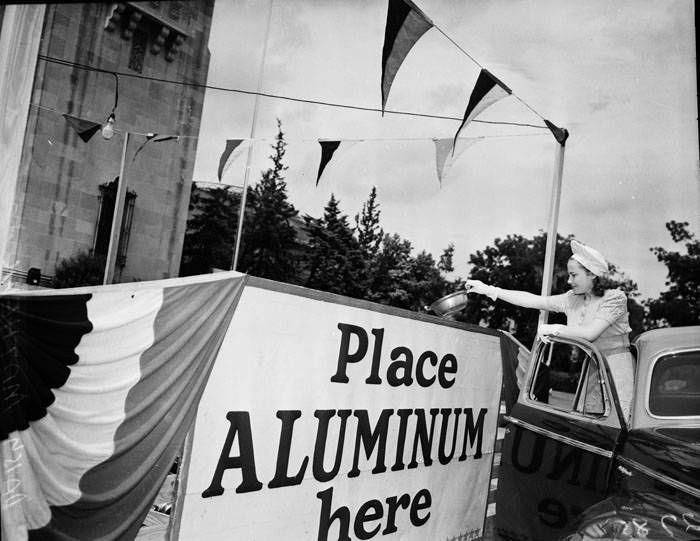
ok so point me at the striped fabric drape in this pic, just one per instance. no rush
(99, 388)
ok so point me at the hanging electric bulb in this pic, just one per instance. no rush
(108, 128)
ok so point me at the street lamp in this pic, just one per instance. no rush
(108, 128)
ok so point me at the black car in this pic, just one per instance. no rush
(575, 469)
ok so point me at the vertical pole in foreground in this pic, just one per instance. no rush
(561, 135)
(241, 212)
(117, 217)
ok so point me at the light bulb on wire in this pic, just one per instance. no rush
(108, 128)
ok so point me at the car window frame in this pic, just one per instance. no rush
(610, 417)
(647, 390)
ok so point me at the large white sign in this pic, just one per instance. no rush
(335, 420)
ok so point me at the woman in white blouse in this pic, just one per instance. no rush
(597, 315)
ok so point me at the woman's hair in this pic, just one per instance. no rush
(600, 286)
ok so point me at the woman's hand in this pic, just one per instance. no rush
(477, 286)
(545, 332)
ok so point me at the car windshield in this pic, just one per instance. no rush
(675, 385)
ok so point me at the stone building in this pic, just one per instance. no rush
(145, 62)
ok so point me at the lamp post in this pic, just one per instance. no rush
(117, 217)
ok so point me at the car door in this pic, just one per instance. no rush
(559, 441)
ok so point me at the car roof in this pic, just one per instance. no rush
(650, 346)
(650, 343)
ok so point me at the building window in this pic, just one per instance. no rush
(103, 229)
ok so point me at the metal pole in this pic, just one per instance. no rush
(550, 249)
(244, 195)
(117, 217)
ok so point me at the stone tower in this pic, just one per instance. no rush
(145, 61)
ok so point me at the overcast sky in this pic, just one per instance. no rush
(620, 76)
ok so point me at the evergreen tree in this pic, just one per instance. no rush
(680, 304)
(270, 238)
(334, 260)
(391, 272)
(445, 264)
(369, 232)
(211, 230)
(369, 236)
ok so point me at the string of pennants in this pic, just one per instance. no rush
(447, 150)
(405, 25)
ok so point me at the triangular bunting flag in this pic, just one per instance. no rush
(487, 91)
(84, 128)
(231, 145)
(327, 150)
(444, 157)
(405, 24)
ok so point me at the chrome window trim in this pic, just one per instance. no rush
(564, 439)
(602, 419)
(661, 477)
(650, 373)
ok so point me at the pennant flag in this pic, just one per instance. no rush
(84, 128)
(445, 157)
(231, 144)
(405, 24)
(328, 148)
(487, 91)
(99, 388)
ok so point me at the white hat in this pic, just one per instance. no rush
(590, 258)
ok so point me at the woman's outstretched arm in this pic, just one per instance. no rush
(511, 296)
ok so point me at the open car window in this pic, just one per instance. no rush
(675, 385)
(568, 378)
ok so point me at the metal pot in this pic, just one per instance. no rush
(449, 304)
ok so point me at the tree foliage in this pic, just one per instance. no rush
(82, 269)
(406, 281)
(369, 232)
(334, 259)
(363, 261)
(369, 236)
(271, 240)
(211, 230)
(680, 303)
(516, 262)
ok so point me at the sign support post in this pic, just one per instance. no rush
(561, 135)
